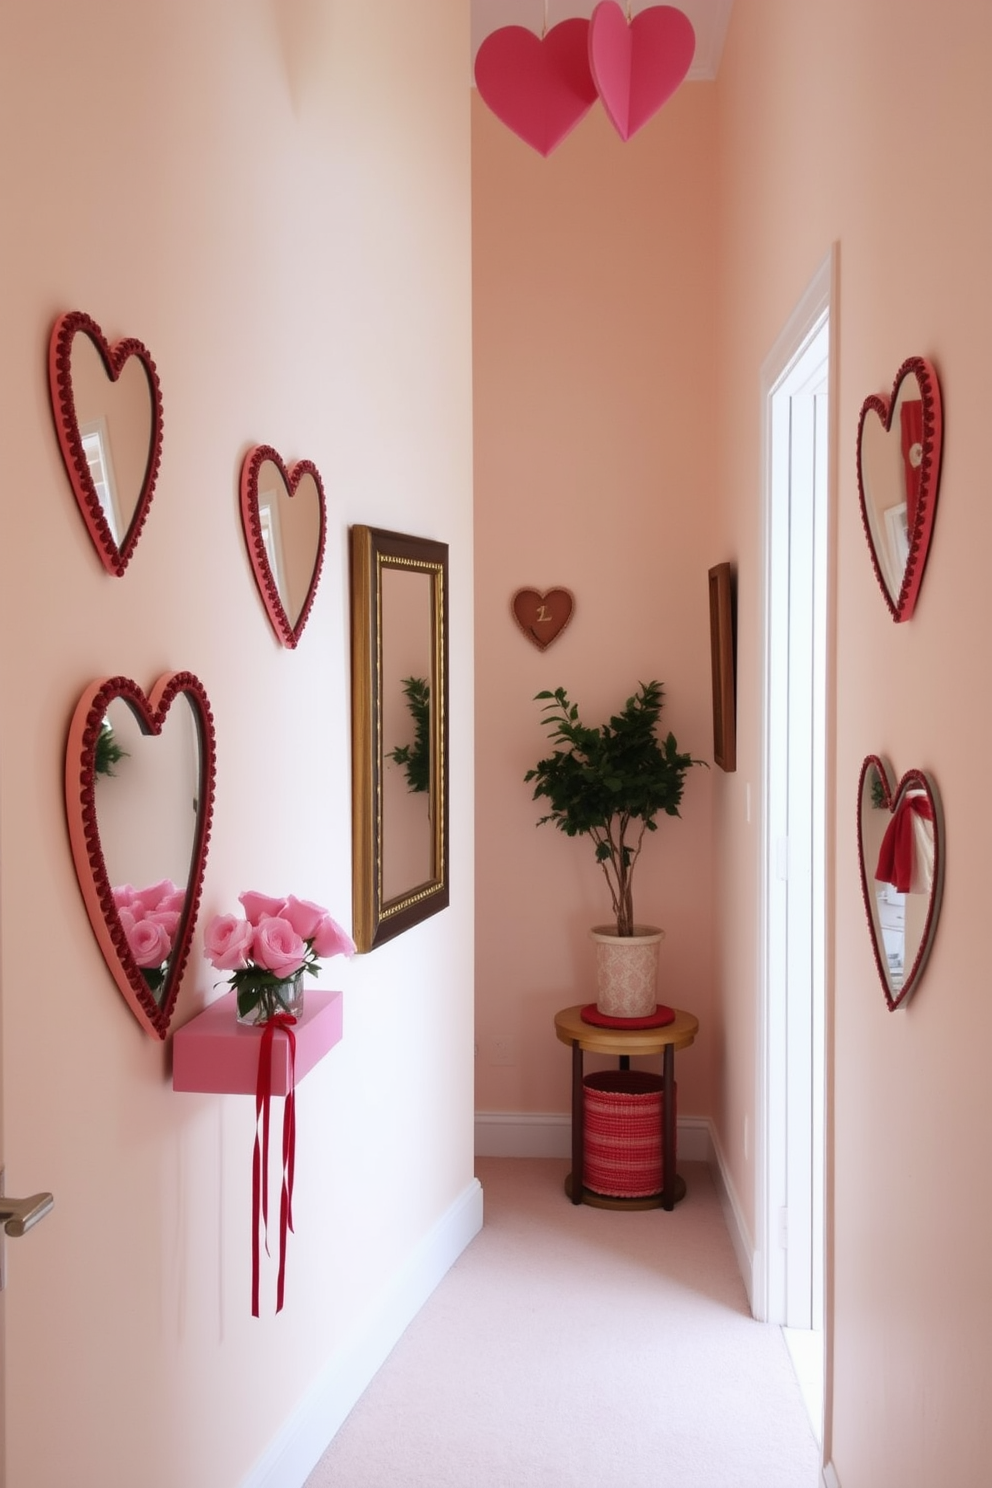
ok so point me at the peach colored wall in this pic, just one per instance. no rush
(594, 294)
(274, 197)
(869, 125)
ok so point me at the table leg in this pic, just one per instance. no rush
(668, 1129)
(578, 1122)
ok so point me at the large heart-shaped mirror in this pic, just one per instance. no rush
(139, 789)
(285, 520)
(899, 442)
(108, 416)
(901, 848)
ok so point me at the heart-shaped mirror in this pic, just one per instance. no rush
(899, 443)
(285, 519)
(901, 848)
(542, 617)
(107, 406)
(139, 789)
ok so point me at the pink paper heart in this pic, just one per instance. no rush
(636, 68)
(538, 88)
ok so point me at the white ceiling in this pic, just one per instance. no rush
(709, 20)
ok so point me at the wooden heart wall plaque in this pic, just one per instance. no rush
(542, 617)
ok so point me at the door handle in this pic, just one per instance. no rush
(20, 1215)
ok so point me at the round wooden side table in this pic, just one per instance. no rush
(623, 1042)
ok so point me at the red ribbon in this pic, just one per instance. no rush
(260, 1163)
(897, 856)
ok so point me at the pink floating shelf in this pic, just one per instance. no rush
(214, 1053)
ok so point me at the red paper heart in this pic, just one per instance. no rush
(899, 444)
(901, 855)
(69, 411)
(542, 617)
(292, 526)
(88, 849)
(538, 88)
(637, 67)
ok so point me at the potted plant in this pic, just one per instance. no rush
(609, 784)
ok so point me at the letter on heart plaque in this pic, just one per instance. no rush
(542, 617)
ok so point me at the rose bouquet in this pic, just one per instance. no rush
(269, 948)
(150, 918)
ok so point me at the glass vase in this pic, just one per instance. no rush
(260, 1001)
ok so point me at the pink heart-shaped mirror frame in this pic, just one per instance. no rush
(879, 406)
(916, 781)
(114, 357)
(542, 617)
(84, 835)
(286, 631)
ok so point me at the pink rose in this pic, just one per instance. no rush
(257, 905)
(227, 942)
(277, 947)
(151, 898)
(330, 940)
(172, 902)
(149, 943)
(123, 894)
(167, 918)
(303, 915)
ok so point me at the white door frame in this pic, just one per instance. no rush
(771, 1292)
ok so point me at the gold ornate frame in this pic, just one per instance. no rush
(373, 551)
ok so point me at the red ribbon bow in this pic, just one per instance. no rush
(260, 1164)
(896, 856)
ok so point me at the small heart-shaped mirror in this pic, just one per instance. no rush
(284, 517)
(542, 617)
(107, 406)
(901, 851)
(899, 443)
(139, 789)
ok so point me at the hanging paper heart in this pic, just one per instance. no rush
(637, 67)
(899, 442)
(901, 856)
(538, 88)
(542, 617)
(139, 790)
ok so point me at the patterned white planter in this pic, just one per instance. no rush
(627, 970)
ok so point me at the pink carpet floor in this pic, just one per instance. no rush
(572, 1347)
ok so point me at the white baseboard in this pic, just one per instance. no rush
(301, 1443)
(830, 1478)
(740, 1237)
(549, 1134)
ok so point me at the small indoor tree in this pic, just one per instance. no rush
(609, 783)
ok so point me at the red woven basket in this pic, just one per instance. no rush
(622, 1133)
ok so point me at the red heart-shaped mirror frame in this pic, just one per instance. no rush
(901, 606)
(286, 631)
(913, 780)
(84, 835)
(114, 357)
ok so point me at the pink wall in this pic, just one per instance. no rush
(594, 284)
(276, 201)
(618, 453)
(869, 126)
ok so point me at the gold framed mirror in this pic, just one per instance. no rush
(399, 646)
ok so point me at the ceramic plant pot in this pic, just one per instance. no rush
(627, 970)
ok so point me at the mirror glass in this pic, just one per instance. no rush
(284, 520)
(399, 733)
(898, 468)
(138, 827)
(901, 852)
(108, 415)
